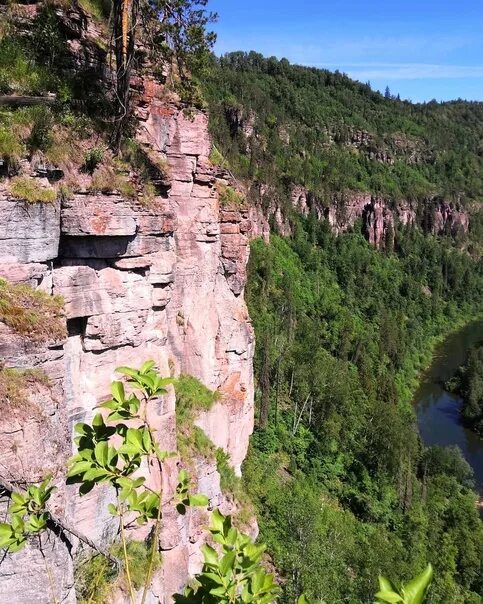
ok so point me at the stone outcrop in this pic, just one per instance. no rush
(378, 217)
(161, 281)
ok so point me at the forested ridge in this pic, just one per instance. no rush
(330, 133)
(343, 486)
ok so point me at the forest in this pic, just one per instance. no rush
(343, 486)
(284, 124)
(468, 383)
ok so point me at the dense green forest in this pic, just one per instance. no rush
(343, 486)
(278, 124)
(468, 383)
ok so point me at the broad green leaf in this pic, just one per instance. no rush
(101, 452)
(79, 468)
(127, 371)
(117, 389)
(414, 590)
(199, 500)
(94, 474)
(385, 584)
(112, 509)
(211, 557)
(227, 562)
(18, 498)
(5, 530)
(147, 366)
(389, 596)
(217, 520)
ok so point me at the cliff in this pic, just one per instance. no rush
(140, 279)
(311, 142)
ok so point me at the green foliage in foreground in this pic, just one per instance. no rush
(411, 593)
(28, 516)
(233, 574)
(343, 488)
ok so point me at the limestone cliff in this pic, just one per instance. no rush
(159, 280)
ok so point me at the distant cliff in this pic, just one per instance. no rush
(318, 143)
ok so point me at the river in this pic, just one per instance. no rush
(438, 411)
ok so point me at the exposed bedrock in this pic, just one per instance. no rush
(161, 281)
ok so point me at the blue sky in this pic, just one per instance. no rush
(422, 49)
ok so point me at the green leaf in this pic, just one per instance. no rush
(389, 596)
(83, 429)
(217, 520)
(112, 509)
(199, 500)
(18, 544)
(18, 498)
(101, 452)
(94, 474)
(211, 557)
(227, 562)
(117, 389)
(79, 468)
(98, 420)
(385, 584)
(147, 366)
(415, 590)
(127, 371)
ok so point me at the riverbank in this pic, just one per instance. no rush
(438, 411)
(408, 381)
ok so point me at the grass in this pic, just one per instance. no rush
(99, 9)
(96, 578)
(229, 198)
(106, 180)
(27, 189)
(192, 397)
(16, 384)
(19, 75)
(11, 148)
(232, 485)
(32, 313)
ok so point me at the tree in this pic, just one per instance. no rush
(174, 31)
(387, 93)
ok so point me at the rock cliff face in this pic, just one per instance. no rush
(161, 281)
(378, 216)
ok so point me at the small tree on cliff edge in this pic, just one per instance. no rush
(174, 30)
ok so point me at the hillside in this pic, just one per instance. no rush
(286, 246)
(291, 128)
(343, 486)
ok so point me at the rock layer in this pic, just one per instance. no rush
(162, 281)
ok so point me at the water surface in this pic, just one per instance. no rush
(438, 411)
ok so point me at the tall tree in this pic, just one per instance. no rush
(174, 32)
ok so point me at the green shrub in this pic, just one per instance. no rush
(19, 74)
(94, 577)
(93, 158)
(229, 198)
(11, 149)
(27, 189)
(106, 180)
(192, 397)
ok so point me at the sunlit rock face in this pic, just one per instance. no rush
(159, 279)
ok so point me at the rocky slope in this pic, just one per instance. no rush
(161, 280)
